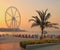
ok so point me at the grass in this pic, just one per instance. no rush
(30, 42)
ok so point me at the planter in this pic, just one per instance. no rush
(33, 46)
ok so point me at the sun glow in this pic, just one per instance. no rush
(27, 10)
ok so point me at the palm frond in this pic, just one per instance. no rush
(46, 11)
(35, 17)
(56, 27)
(43, 15)
(37, 20)
(32, 20)
(40, 14)
(34, 24)
(47, 23)
(54, 23)
(47, 16)
(50, 25)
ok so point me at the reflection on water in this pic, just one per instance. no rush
(10, 46)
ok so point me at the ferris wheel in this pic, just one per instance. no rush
(12, 17)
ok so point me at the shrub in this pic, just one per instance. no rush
(30, 42)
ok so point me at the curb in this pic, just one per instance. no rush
(40, 45)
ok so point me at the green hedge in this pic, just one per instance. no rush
(30, 42)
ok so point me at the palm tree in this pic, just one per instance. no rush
(42, 21)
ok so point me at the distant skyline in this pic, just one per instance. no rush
(27, 10)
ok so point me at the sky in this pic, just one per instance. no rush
(27, 9)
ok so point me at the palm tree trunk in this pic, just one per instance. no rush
(41, 34)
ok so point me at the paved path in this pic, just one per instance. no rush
(54, 47)
(13, 39)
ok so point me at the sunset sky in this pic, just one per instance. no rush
(27, 10)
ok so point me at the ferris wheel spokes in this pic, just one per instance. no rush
(14, 19)
(9, 14)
